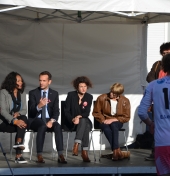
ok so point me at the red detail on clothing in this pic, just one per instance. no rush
(162, 74)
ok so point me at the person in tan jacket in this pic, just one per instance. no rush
(112, 110)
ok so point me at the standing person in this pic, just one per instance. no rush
(13, 110)
(156, 72)
(77, 110)
(158, 92)
(43, 115)
(112, 110)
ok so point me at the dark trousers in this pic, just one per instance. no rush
(10, 128)
(40, 127)
(82, 132)
(111, 132)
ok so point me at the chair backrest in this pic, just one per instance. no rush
(64, 123)
(62, 114)
(96, 123)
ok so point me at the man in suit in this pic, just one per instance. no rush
(43, 112)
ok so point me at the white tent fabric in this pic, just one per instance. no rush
(105, 53)
(159, 6)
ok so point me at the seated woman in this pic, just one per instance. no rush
(77, 109)
(112, 110)
(13, 110)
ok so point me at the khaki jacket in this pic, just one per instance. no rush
(102, 109)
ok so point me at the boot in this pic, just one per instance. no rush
(126, 154)
(115, 155)
(84, 155)
(40, 159)
(75, 149)
(61, 159)
(120, 155)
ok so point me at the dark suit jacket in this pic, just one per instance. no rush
(72, 108)
(52, 106)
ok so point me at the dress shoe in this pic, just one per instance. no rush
(75, 149)
(115, 155)
(61, 159)
(40, 159)
(120, 155)
(126, 154)
(84, 155)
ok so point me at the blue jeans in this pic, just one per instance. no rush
(111, 132)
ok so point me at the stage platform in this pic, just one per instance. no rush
(136, 165)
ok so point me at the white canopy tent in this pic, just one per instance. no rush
(104, 40)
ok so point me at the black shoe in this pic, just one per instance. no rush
(19, 145)
(20, 160)
(150, 157)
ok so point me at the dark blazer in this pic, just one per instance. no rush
(72, 108)
(52, 106)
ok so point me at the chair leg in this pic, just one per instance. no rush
(100, 145)
(10, 145)
(52, 149)
(91, 140)
(125, 141)
(31, 146)
(67, 143)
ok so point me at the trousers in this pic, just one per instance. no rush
(10, 128)
(111, 132)
(82, 132)
(40, 127)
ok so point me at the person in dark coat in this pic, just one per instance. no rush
(77, 110)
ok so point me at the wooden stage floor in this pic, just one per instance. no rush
(135, 166)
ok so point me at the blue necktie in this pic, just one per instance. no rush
(43, 115)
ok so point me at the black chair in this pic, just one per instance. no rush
(65, 129)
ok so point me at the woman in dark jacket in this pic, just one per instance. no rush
(77, 109)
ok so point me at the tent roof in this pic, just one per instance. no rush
(109, 11)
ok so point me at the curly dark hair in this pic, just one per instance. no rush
(166, 63)
(164, 46)
(81, 79)
(9, 82)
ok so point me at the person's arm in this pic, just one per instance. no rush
(144, 105)
(67, 109)
(55, 107)
(4, 107)
(125, 111)
(97, 111)
(32, 105)
(23, 110)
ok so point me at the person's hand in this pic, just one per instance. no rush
(109, 121)
(43, 102)
(75, 120)
(49, 124)
(20, 123)
(151, 128)
(16, 114)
